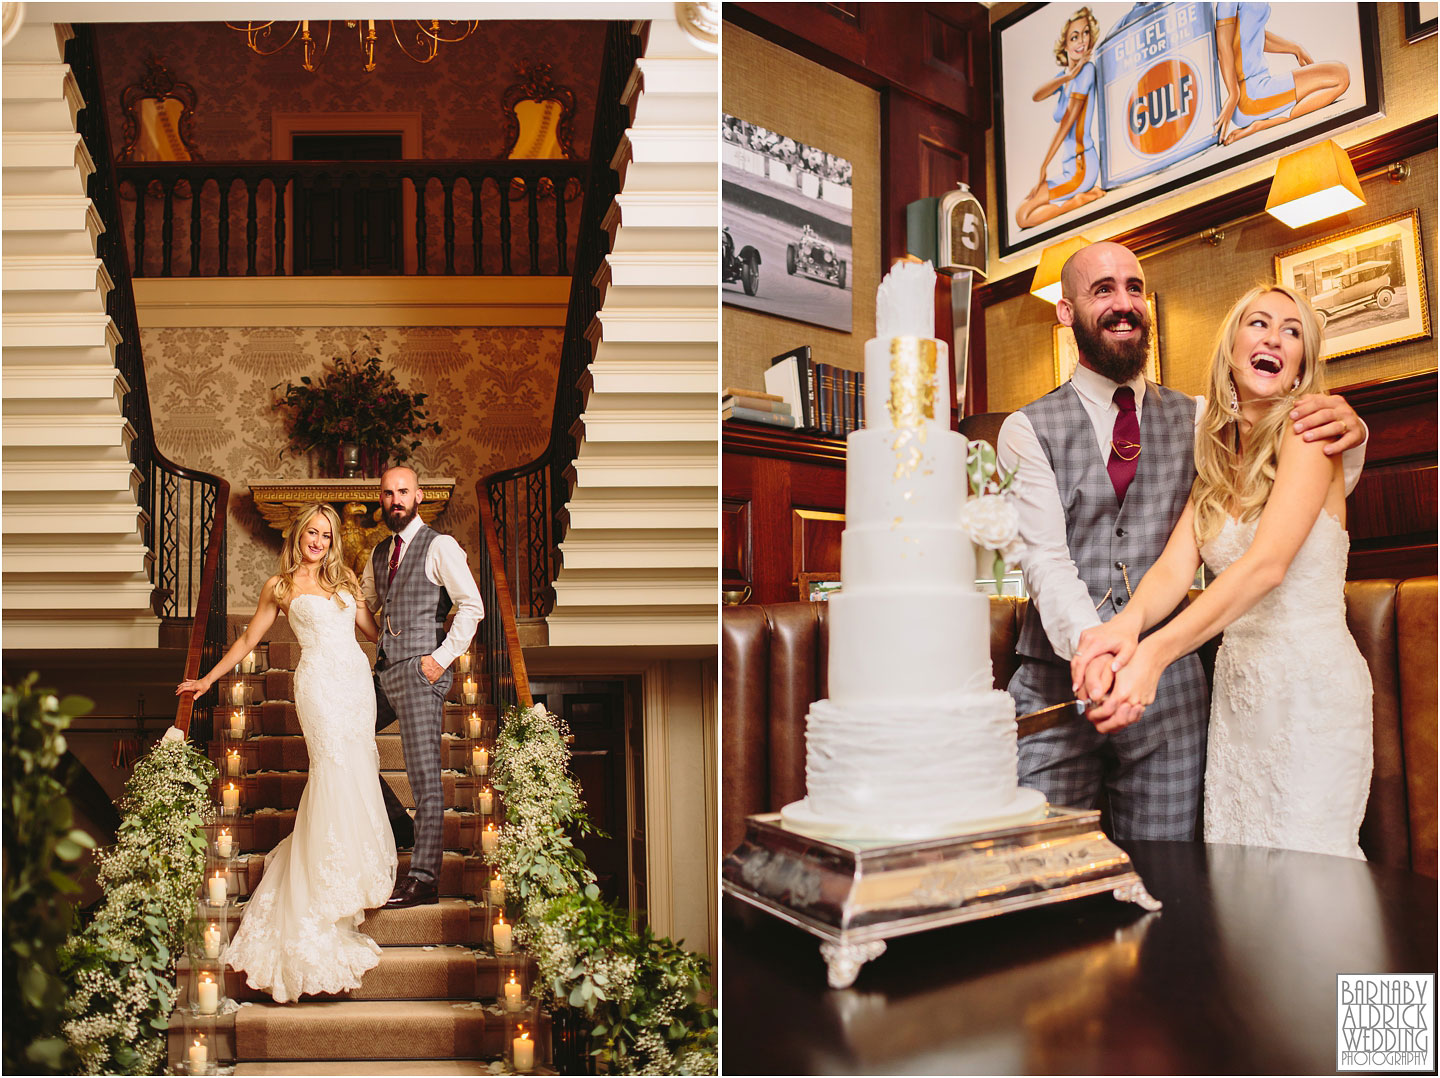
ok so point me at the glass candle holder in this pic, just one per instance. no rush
(474, 726)
(231, 796)
(207, 933)
(480, 754)
(201, 1053)
(232, 764)
(512, 988)
(235, 727)
(215, 890)
(486, 804)
(239, 694)
(223, 843)
(462, 663)
(502, 935)
(489, 839)
(469, 691)
(207, 986)
(521, 1049)
(495, 891)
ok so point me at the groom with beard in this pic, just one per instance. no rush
(409, 583)
(1105, 464)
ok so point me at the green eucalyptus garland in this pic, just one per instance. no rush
(642, 993)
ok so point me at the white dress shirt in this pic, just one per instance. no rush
(1051, 578)
(446, 566)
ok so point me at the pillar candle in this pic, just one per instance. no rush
(469, 694)
(247, 664)
(512, 994)
(232, 762)
(489, 839)
(503, 934)
(237, 693)
(524, 1049)
(480, 760)
(230, 798)
(209, 995)
(237, 724)
(473, 724)
(216, 889)
(497, 890)
(487, 801)
(224, 844)
(212, 940)
(462, 662)
(199, 1052)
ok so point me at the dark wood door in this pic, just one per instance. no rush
(344, 224)
(595, 713)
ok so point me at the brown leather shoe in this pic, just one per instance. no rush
(412, 892)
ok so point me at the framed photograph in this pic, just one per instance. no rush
(1106, 107)
(1367, 284)
(785, 246)
(1420, 21)
(1067, 354)
(818, 587)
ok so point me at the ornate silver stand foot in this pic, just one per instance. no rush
(1136, 893)
(843, 960)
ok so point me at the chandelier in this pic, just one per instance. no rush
(427, 35)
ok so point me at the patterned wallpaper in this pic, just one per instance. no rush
(458, 93)
(492, 389)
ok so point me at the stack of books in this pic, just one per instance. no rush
(823, 397)
(754, 406)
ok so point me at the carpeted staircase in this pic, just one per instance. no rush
(429, 1006)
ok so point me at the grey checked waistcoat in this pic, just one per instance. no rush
(1103, 535)
(413, 610)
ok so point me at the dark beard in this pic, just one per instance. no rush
(397, 518)
(1119, 361)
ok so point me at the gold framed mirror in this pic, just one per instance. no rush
(157, 115)
(539, 116)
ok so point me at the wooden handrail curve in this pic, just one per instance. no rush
(504, 602)
(195, 651)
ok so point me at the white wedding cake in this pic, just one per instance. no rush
(914, 741)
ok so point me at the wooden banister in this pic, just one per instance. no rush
(504, 601)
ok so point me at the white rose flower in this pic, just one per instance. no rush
(991, 521)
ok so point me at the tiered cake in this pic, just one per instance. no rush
(914, 741)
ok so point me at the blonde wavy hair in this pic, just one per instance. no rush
(1062, 56)
(333, 574)
(1231, 479)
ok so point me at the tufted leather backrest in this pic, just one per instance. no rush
(773, 658)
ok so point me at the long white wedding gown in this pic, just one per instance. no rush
(299, 934)
(1290, 748)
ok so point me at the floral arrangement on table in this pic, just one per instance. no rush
(642, 993)
(356, 401)
(42, 855)
(989, 515)
(121, 966)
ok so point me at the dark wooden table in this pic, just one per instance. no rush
(1236, 975)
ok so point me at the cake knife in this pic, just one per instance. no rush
(1049, 717)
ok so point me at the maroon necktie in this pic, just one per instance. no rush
(395, 551)
(1124, 444)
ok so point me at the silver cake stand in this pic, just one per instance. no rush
(856, 895)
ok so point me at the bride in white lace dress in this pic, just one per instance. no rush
(1290, 749)
(300, 932)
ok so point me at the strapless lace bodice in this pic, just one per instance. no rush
(300, 930)
(1290, 744)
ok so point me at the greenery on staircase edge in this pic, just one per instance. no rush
(42, 856)
(642, 992)
(121, 966)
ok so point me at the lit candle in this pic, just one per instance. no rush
(216, 885)
(230, 798)
(473, 722)
(212, 940)
(502, 936)
(489, 839)
(480, 760)
(247, 664)
(199, 1053)
(209, 995)
(232, 762)
(469, 693)
(237, 724)
(224, 844)
(512, 994)
(462, 662)
(497, 890)
(237, 693)
(487, 801)
(524, 1052)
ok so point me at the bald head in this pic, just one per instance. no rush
(1095, 262)
(1103, 302)
(400, 496)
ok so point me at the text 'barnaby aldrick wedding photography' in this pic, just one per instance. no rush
(1385, 1022)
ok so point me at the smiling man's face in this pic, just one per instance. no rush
(1104, 304)
(400, 497)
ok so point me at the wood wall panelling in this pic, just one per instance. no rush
(815, 546)
(736, 544)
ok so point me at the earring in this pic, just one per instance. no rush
(1297, 382)
(1234, 401)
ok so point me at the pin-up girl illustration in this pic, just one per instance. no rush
(1256, 98)
(1075, 91)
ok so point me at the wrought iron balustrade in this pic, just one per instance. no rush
(187, 218)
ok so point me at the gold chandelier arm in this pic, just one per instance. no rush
(430, 38)
(258, 32)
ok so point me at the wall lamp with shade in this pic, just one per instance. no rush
(1046, 283)
(1313, 184)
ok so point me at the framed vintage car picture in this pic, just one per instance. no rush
(786, 217)
(1104, 108)
(1367, 284)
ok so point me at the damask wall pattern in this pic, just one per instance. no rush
(212, 396)
(458, 93)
